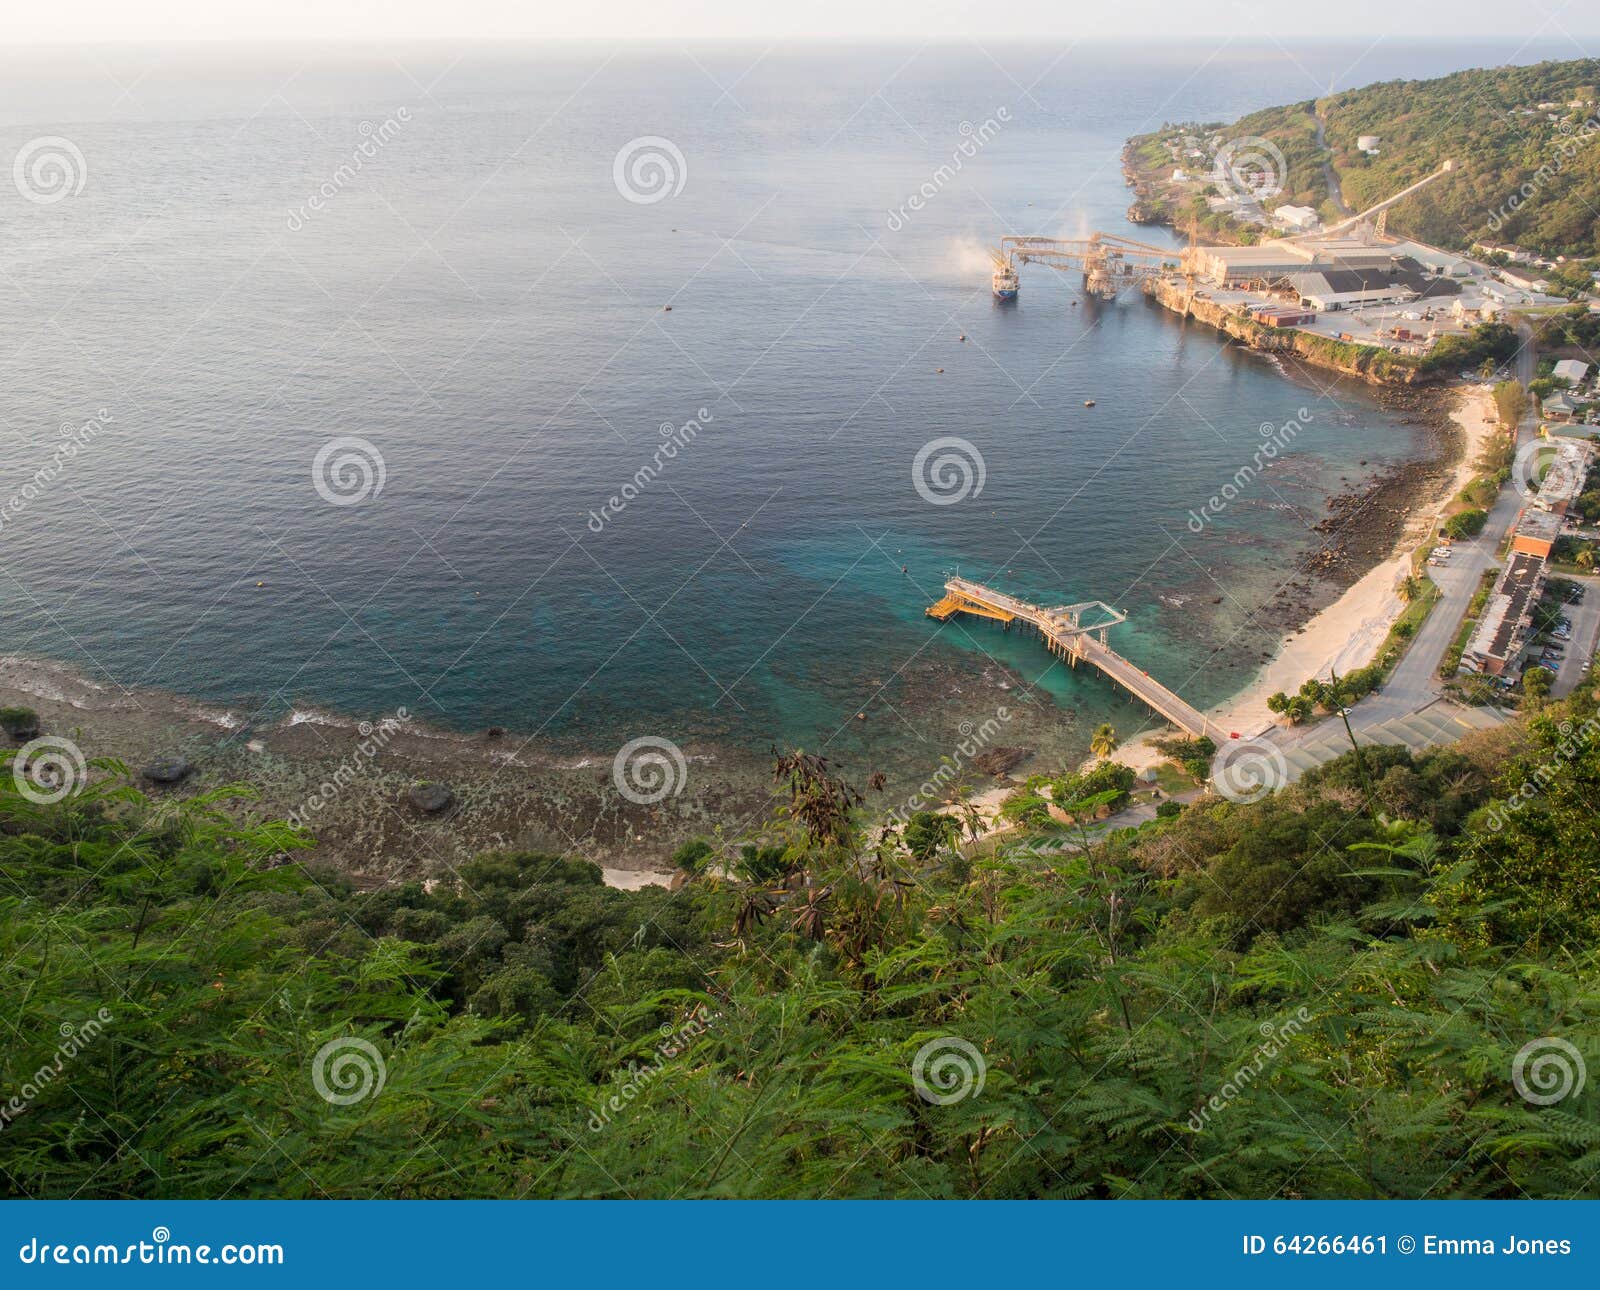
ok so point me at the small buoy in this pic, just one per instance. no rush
(963, 335)
(261, 584)
(861, 716)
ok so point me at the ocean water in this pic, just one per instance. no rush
(428, 249)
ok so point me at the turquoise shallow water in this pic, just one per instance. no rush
(478, 300)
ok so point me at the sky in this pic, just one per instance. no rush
(1007, 21)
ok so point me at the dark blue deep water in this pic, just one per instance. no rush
(478, 300)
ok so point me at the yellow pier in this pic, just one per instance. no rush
(954, 604)
(1076, 633)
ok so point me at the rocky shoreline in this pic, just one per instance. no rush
(1367, 522)
(391, 798)
(386, 798)
(1368, 363)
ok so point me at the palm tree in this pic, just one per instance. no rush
(1410, 588)
(1104, 741)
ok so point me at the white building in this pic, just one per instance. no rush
(1572, 369)
(1524, 281)
(1368, 142)
(1347, 289)
(1462, 312)
(1300, 217)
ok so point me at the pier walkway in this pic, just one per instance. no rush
(1076, 633)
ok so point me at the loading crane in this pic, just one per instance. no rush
(1108, 262)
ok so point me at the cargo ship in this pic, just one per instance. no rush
(1004, 280)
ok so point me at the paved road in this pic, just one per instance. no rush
(1585, 616)
(1526, 361)
(1415, 682)
(1335, 191)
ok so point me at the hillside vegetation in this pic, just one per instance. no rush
(1473, 119)
(1320, 994)
(1520, 176)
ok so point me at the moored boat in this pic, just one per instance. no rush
(1005, 280)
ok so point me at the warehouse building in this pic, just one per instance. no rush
(1237, 266)
(1502, 632)
(1349, 288)
(1536, 532)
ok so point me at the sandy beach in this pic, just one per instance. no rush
(1348, 633)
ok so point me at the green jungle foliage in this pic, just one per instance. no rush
(1522, 179)
(1318, 994)
(1494, 341)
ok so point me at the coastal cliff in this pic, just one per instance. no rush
(1369, 363)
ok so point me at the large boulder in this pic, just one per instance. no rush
(431, 799)
(998, 761)
(167, 770)
(21, 724)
